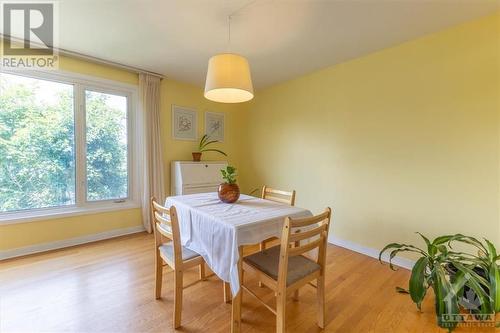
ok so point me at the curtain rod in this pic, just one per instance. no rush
(81, 56)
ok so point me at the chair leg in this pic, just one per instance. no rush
(227, 292)
(177, 298)
(321, 301)
(158, 276)
(202, 271)
(296, 293)
(262, 247)
(280, 312)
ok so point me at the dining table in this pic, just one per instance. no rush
(218, 231)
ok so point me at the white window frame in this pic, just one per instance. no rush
(81, 83)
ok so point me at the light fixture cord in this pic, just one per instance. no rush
(230, 16)
(229, 33)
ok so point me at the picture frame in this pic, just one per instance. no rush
(215, 125)
(184, 123)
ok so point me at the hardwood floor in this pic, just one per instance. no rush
(109, 287)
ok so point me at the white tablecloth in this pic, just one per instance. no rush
(215, 229)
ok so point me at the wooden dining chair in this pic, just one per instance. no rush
(285, 268)
(179, 258)
(286, 197)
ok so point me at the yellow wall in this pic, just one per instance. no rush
(100, 71)
(402, 140)
(182, 94)
(45, 231)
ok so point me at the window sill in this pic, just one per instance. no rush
(60, 212)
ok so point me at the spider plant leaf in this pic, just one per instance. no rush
(206, 143)
(469, 259)
(494, 275)
(443, 249)
(202, 141)
(468, 240)
(463, 254)
(458, 281)
(426, 240)
(391, 256)
(387, 247)
(396, 251)
(416, 249)
(215, 150)
(399, 246)
(204, 138)
(469, 256)
(417, 284)
(402, 290)
(484, 301)
(442, 239)
(467, 270)
(431, 248)
(446, 302)
(492, 251)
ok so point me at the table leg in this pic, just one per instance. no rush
(227, 293)
(236, 306)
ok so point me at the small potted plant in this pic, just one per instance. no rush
(203, 147)
(229, 191)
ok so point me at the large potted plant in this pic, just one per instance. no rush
(229, 191)
(463, 282)
(203, 146)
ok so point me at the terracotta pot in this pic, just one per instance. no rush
(229, 193)
(196, 157)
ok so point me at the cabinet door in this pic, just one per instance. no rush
(213, 172)
(199, 189)
(201, 173)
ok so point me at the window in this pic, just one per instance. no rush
(37, 153)
(64, 143)
(106, 143)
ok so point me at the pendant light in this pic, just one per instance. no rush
(228, 77)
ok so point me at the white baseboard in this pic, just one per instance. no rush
(22, 251)
(371, 252)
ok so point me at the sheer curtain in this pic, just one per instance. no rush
(153, 180)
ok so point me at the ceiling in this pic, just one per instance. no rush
(281, 39)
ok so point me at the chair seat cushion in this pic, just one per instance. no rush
(267, 261)
(167, 251)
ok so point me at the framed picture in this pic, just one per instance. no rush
(214, 125)
(184, 123)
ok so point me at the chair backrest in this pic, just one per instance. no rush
(312, 232)
(278, 195)
(166, 224)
